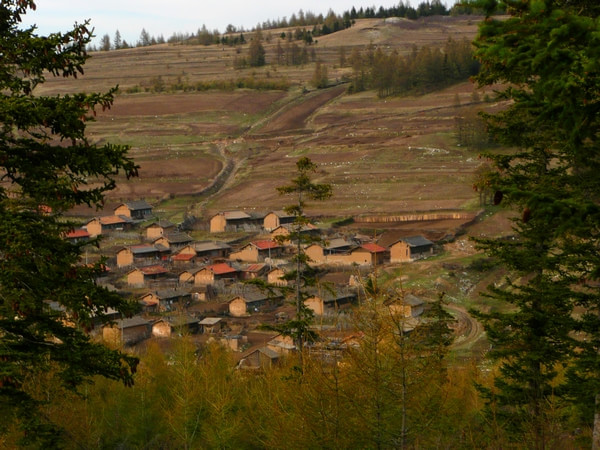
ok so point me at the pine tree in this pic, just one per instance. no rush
(302, 188)
(48, 299)
(548, 53)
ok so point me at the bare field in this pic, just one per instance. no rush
(381, 156)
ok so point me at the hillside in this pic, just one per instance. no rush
(382, 156)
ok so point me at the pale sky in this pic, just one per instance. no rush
(186, 16)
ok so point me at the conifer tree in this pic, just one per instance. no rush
(48, 299)
(547, 52)
(302, 188)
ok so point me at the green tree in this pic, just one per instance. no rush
(48, 299)
(547, 53)
(105, 44)
(320, 78)
(256, 52)
(302, 188)
(117, 42)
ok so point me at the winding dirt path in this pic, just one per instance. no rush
(469, 330)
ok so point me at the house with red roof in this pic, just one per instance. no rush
(78, 235)
(212, 273)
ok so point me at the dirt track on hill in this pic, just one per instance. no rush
(294, 116)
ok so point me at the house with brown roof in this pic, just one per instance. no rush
(410, 249)
(138, 277)
(158, 229)
(136, 210)
(275, 219)
(257, 251)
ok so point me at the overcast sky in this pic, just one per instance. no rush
(167, 17)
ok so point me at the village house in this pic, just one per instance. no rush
(186, 256)
(330, 303)
(251, 301)
(211, 325)
(275, 219)
(253, 271)
(235, 221)
(209, 274)
(235, 342)
(261, 358)
(174, 241)
(141, 254)
(136, 210)
(342, 252)
(102, 225)
(281, 233)
(180, 325)
(369, 254)
(139, 277)
(275, 277)
(410, 248)
(283, 345)
(257, 251)
(409, 306)
(77, 236)
(165, 300)
(158, 229)
(127, 331)
(212, 249)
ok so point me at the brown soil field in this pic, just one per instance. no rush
(382, 156)
(243, 101)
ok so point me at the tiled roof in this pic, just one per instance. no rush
(161, 224)
(153, 270)
(143, 249)
(138, 205)
(113, 220)
(210, 246)
(210, 321)
(233, 215)
(265, 245)
(255, 267)
(373, 248)
(337, 243)
(75, 234)
(221, 268)
(416, 241)
(178, 238)
(183, 257)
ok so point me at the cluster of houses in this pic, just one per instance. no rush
(171, 273)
